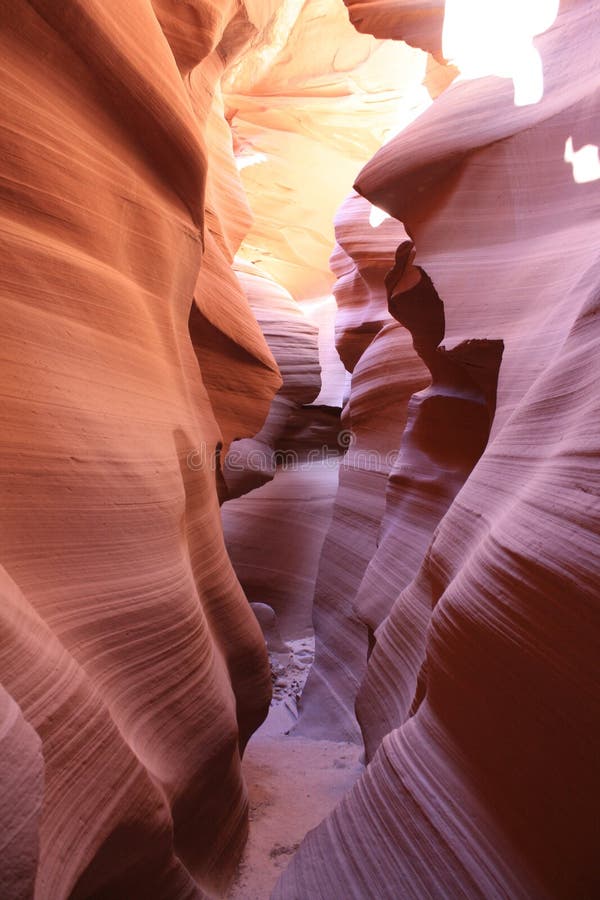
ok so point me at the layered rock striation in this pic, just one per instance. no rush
(133, 667)
(385, 373)
(278, 505)
(155, 360)
(480, 695)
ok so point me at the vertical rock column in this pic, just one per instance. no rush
(386, 370)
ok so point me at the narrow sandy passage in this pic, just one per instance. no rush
(293, 782)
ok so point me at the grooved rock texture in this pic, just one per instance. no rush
(306, 112)
(21, 793)
(274, 533)
(238, 371)
(480, 703)
(386, 371)
(292, 339)
(133, 667)
(132, 360)
(169, 175)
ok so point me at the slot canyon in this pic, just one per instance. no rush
(299, 456)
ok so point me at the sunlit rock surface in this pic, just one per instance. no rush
(418, 22)
(481, 693)
(307, 111)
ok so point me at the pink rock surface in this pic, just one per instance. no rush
(386, 371)
(292, 339)
(21, 793)
(418, 22)
(94, 812)
(481, 691)
(274, 533)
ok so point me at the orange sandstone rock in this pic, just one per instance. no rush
(126, 640)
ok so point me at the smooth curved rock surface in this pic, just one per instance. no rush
(386, 372)
(107, 834)
(447, 429)
(21, 794)
(127, 642)
(307, 111)
(279, 505)
(418, 22)
(457, 589)
(238, 371)
(293, 341)
(489, 703)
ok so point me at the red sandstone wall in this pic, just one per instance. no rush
(134, 667)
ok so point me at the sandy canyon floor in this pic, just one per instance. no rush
(293, 782)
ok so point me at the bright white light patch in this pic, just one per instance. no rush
(252, 159)
(309, 307)
(585, 162)
(495, 37)
(377, 216)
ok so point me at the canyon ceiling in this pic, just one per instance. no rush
(190, 191)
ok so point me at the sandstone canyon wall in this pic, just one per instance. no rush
(134, 669)
(307, 112)
(386, 372)
(157, 347)
(274, 534)
(132, 360)
(479, 699)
